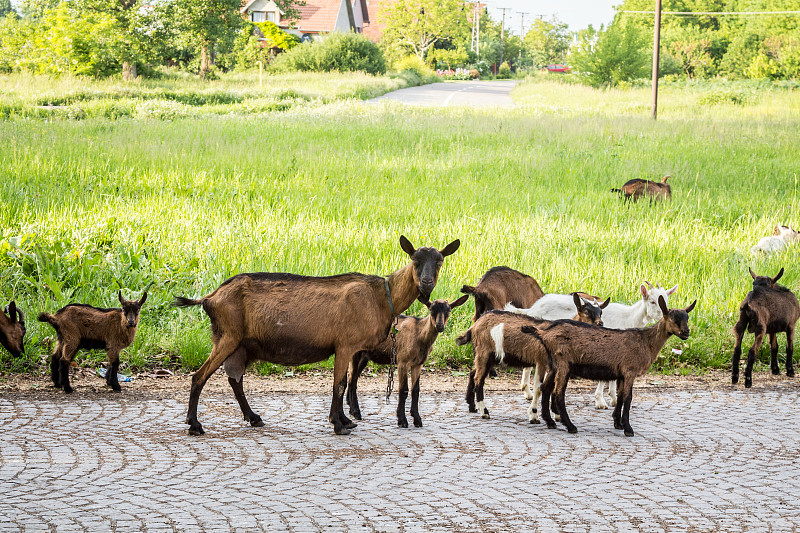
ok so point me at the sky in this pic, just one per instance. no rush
(578, 14)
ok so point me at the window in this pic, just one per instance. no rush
(257, 16)
(271, 16)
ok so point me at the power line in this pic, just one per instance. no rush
(714, 13)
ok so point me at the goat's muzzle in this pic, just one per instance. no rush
(684, 335)
(426, 288)
(131, 324)
(439, 328)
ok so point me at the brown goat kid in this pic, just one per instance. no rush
(768, 309)
(636, 188)
(12, 330)
(591, 352)
(293, 320)
(502, 285)
(496, 340)
(413, 342)
(80, 326)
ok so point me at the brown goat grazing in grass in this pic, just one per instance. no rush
(502, 285)
(591, 352)
(496, 340)
(80, 326)
(293, 320)
(635, 188)
(12, 330)
(768, 309)
(414, 340)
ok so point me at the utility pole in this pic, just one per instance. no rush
(521, 32)
(503, 33)
(656, 49)
(475, 44)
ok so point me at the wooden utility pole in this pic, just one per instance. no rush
(656, 50)
(503, 33)
(522, 33)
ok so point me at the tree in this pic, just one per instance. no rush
(417, 25)
(35, 9)
(205, 22)
(607, 57)
(547, 42)
(5, 8)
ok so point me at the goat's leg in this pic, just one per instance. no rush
(620, 403)
(626, 408)
(773, 354)
(470, 397)
(68, 352)
(562, 379)
(612, 392)
(481, 373)
(524, 384)
(341, 362)
(360, 361)
(547, 393)
(415, 373)
(533, 415)
(751, 358)
(224, 347)
(55, 372)
(402, 377)
(738, 331)
(599, 400)
(790, 351)
(235, 366)
(113, 369)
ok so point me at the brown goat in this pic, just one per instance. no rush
(591, 352)
(496, 339)
(502, 285)
(635, 188)
(12, 330)
(413, 341)
(293, 320)
(80, 326)
(768, 309)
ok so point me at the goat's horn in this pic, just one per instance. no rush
(648, 284)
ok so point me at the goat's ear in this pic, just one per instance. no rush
(577, 301)
(752, 274)
(663, 305)
(460, 301)
(605, 304)
(776, 278)
(21, 316)
(672, 290)
(691, 307)
(143, 299)
(777, 230)
(12, 311)
(119, 295)
(450, 248)
(406, 245)
(644, 292)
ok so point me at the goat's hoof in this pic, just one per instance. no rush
(776, 371)
(485, 414)
(196, 429)
(600, 406)
(68, 389)
(528, 396)
(534, 421)
(349, 424)
(790, 373)
(473, 409)
(572, 429)
(402, 423)
(617, 425)
(341, 431)
(417, 422)
(629, 433)
(116, 389)
(356, 415)
(734, 380)
(256, 422)
(748, 383)
(551, 425)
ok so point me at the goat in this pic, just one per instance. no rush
(780, 238)
(414, 340)
(81, 326)
(635, 188)
(501, 285)
(615, 316)
(768, 309)
(293, 320)
(591, 352)
(12, 330)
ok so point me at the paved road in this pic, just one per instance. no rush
(457, 93)
(701, 461)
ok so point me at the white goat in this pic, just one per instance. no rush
(615, 316)
(782, 236)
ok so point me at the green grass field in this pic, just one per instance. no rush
(329, 186)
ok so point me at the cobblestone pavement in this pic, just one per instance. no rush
(723, 460)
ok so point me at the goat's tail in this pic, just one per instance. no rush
(47, 317)
(466, 338)
(468, 289)
(180, 301)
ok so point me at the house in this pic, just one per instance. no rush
(316, 17)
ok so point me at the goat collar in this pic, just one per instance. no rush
(389, 297)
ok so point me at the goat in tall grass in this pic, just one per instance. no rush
(12, 330)
(636, 188)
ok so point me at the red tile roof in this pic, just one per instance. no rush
(318, 15)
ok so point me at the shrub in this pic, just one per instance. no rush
(727, 96)
(504, 72)
(413, 64)
(343, 52)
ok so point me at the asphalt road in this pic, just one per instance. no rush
(457, 93)
(726, 460)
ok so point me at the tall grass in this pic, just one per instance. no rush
(87, 206)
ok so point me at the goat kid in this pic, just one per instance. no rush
(501, 285)
(591, 352)
(291, 320)
(12, 330)
(636, 188)
(780, 238)
(768, 309)
(80, 326)
(413, 341)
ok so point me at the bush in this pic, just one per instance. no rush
(504, 72)
(413, 64)
(343, 52)
(727, 96)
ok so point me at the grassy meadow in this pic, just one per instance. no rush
(87, 206)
